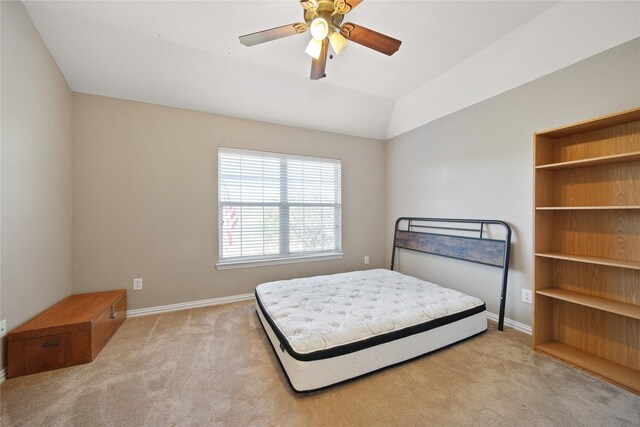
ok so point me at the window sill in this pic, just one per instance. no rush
(230, 265)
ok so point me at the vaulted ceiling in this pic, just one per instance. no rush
(453, 54)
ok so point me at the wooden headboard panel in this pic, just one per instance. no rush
(463, 239)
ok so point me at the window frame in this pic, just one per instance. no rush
(285, 256)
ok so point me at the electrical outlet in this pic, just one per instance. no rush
(3, 327)
(526, 296)
(366, 259)
(137, 284)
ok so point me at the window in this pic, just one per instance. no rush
(277, 206)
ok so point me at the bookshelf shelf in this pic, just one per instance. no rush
(587, 246)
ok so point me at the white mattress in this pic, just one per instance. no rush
(328, 329)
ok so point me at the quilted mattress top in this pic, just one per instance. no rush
(319, 313)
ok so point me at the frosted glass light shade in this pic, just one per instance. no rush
(338, 43)
(319, 28)
(314, 48)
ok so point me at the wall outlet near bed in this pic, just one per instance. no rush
(366, 259)
(3, 327)
(137, 284)
(526, 296)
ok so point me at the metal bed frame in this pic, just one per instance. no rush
(459, 242)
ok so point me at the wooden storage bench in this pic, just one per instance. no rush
(70, 333)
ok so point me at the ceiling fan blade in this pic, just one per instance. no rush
(345, 6)
(369, 38)
(319, 65)
(272, 34)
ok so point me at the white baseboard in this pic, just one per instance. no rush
(510, 323)
(188, 305)
(172, 307)
(247, 297)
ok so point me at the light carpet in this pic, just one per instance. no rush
(215, 366)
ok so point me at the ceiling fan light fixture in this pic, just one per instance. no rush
(314, 48)
(319, 28)
(338, 43)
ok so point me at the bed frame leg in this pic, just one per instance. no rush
(505, 273)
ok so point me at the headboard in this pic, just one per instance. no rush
(464, 239)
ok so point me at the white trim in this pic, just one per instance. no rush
(511, 323)
(188, 305)
(275, 155)
(576, 30)
(229, 265)
(248, 297)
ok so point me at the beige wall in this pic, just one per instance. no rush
(145, 182)
(145, 199)
(477, 163)
(35, 173)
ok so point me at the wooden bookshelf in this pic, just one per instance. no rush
(595, 161)
(617, 307)
(575, 208)
(635, 265)
(626, 377)
(587, 246)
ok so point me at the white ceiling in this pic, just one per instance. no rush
(187, 54)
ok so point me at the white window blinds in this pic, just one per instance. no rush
(277, 205)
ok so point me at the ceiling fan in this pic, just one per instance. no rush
(324, 19)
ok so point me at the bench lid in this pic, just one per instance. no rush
(70, 313)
